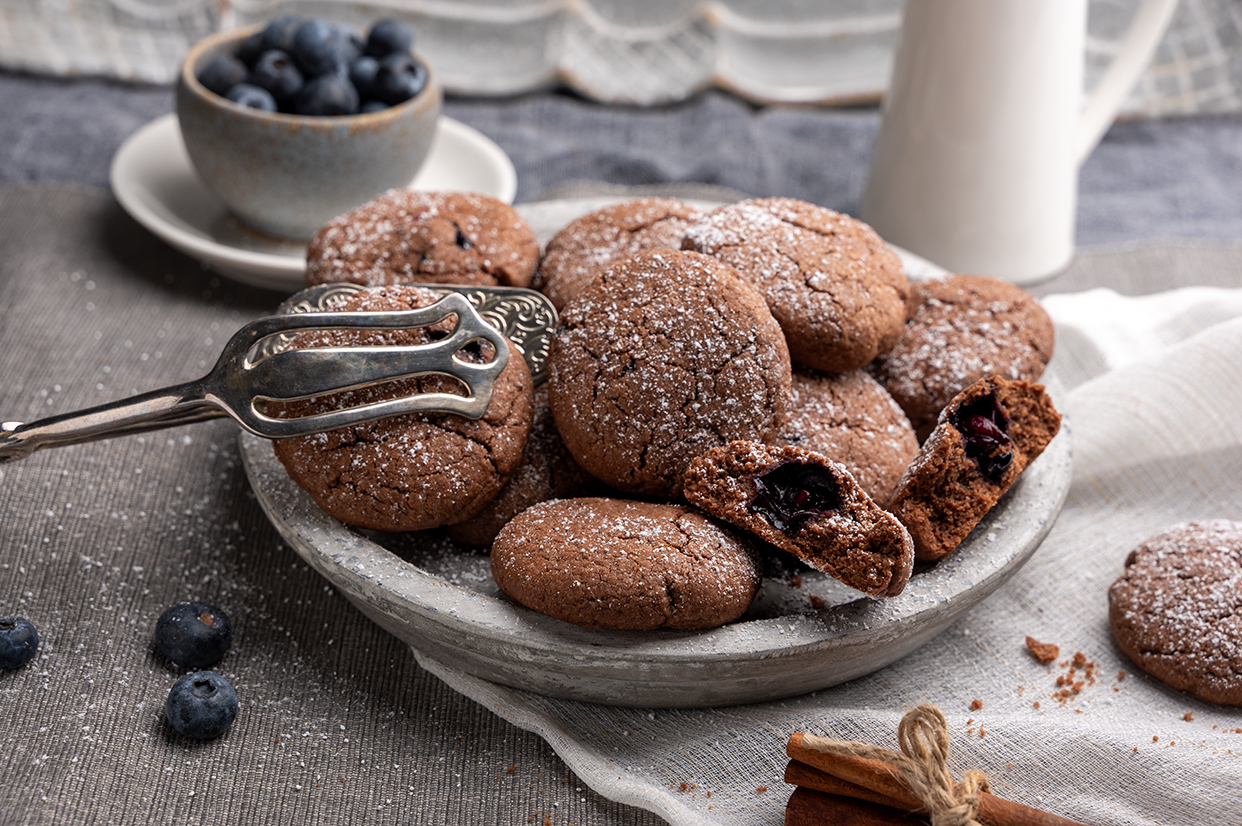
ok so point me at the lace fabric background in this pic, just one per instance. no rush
(640, 52)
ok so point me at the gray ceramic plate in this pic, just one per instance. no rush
(804, 633)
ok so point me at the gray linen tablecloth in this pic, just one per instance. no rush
(338, 724)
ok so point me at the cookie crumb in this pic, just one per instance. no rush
(975, 705)
(1045, 652)
(1188, 717)
(761, 789)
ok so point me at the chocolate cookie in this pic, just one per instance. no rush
(670, 354)
(610, 563)
(412, 471)
(837, 291)
(851, 419)
(546, 471)
(808, 505)
(985, 438)
(407, 237)
(962, 328)
(1177, 609)
(586, 245)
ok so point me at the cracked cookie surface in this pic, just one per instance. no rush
(837, 291)
(672, 353)
(547, 471)
(582, 248)
(613, 563)
(413, 471)
(962, 328)
(851, 419)
(1176, 611)
(408, 237)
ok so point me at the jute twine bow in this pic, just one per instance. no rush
(923, 766)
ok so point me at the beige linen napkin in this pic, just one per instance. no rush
(1151, 389)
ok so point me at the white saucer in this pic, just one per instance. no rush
(154, 181)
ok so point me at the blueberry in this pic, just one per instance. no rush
(223, 73)
(400, 77)
(279, 33)
(201, 705)
(18, 642)
(362, 72)
(255, 97)
(319, 48)
(389, 36)
(791, 494)
(193, 634)
(276, 72)
(351, 43)
(369, 106)
(984, 428)
(327, 95)
(250, 49)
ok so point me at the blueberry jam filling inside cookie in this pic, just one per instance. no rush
(461, 240)
(982, 424)
(792, 494)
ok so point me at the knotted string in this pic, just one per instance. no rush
(923, 766)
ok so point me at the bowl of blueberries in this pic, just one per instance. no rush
(296, 121)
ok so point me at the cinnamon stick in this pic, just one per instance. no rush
(800, 774)
(881, 778)
(807, 807)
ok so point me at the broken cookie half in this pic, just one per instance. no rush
(983, 440)
(808, 505)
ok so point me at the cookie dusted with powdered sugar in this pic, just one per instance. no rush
(611, 563)
(408, 237)
(807, 505)
(577, 253)
(837, 291)
(962, 328)
(547, 471)
(851, 419)
(1176, 611)
(984, 439)
(414, 471)
(670, 354)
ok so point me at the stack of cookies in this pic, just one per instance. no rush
(724, 386)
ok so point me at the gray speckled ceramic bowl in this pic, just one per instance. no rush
(440, 598)
(288, 175)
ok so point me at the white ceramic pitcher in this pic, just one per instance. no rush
(984, 128)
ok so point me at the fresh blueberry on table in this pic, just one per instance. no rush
(222, 73)
(276, 72)
(18, 642)
(400, 77)
(201, 705)
(389, 36)
(253, 96)
(193, 634)
(327, 95)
